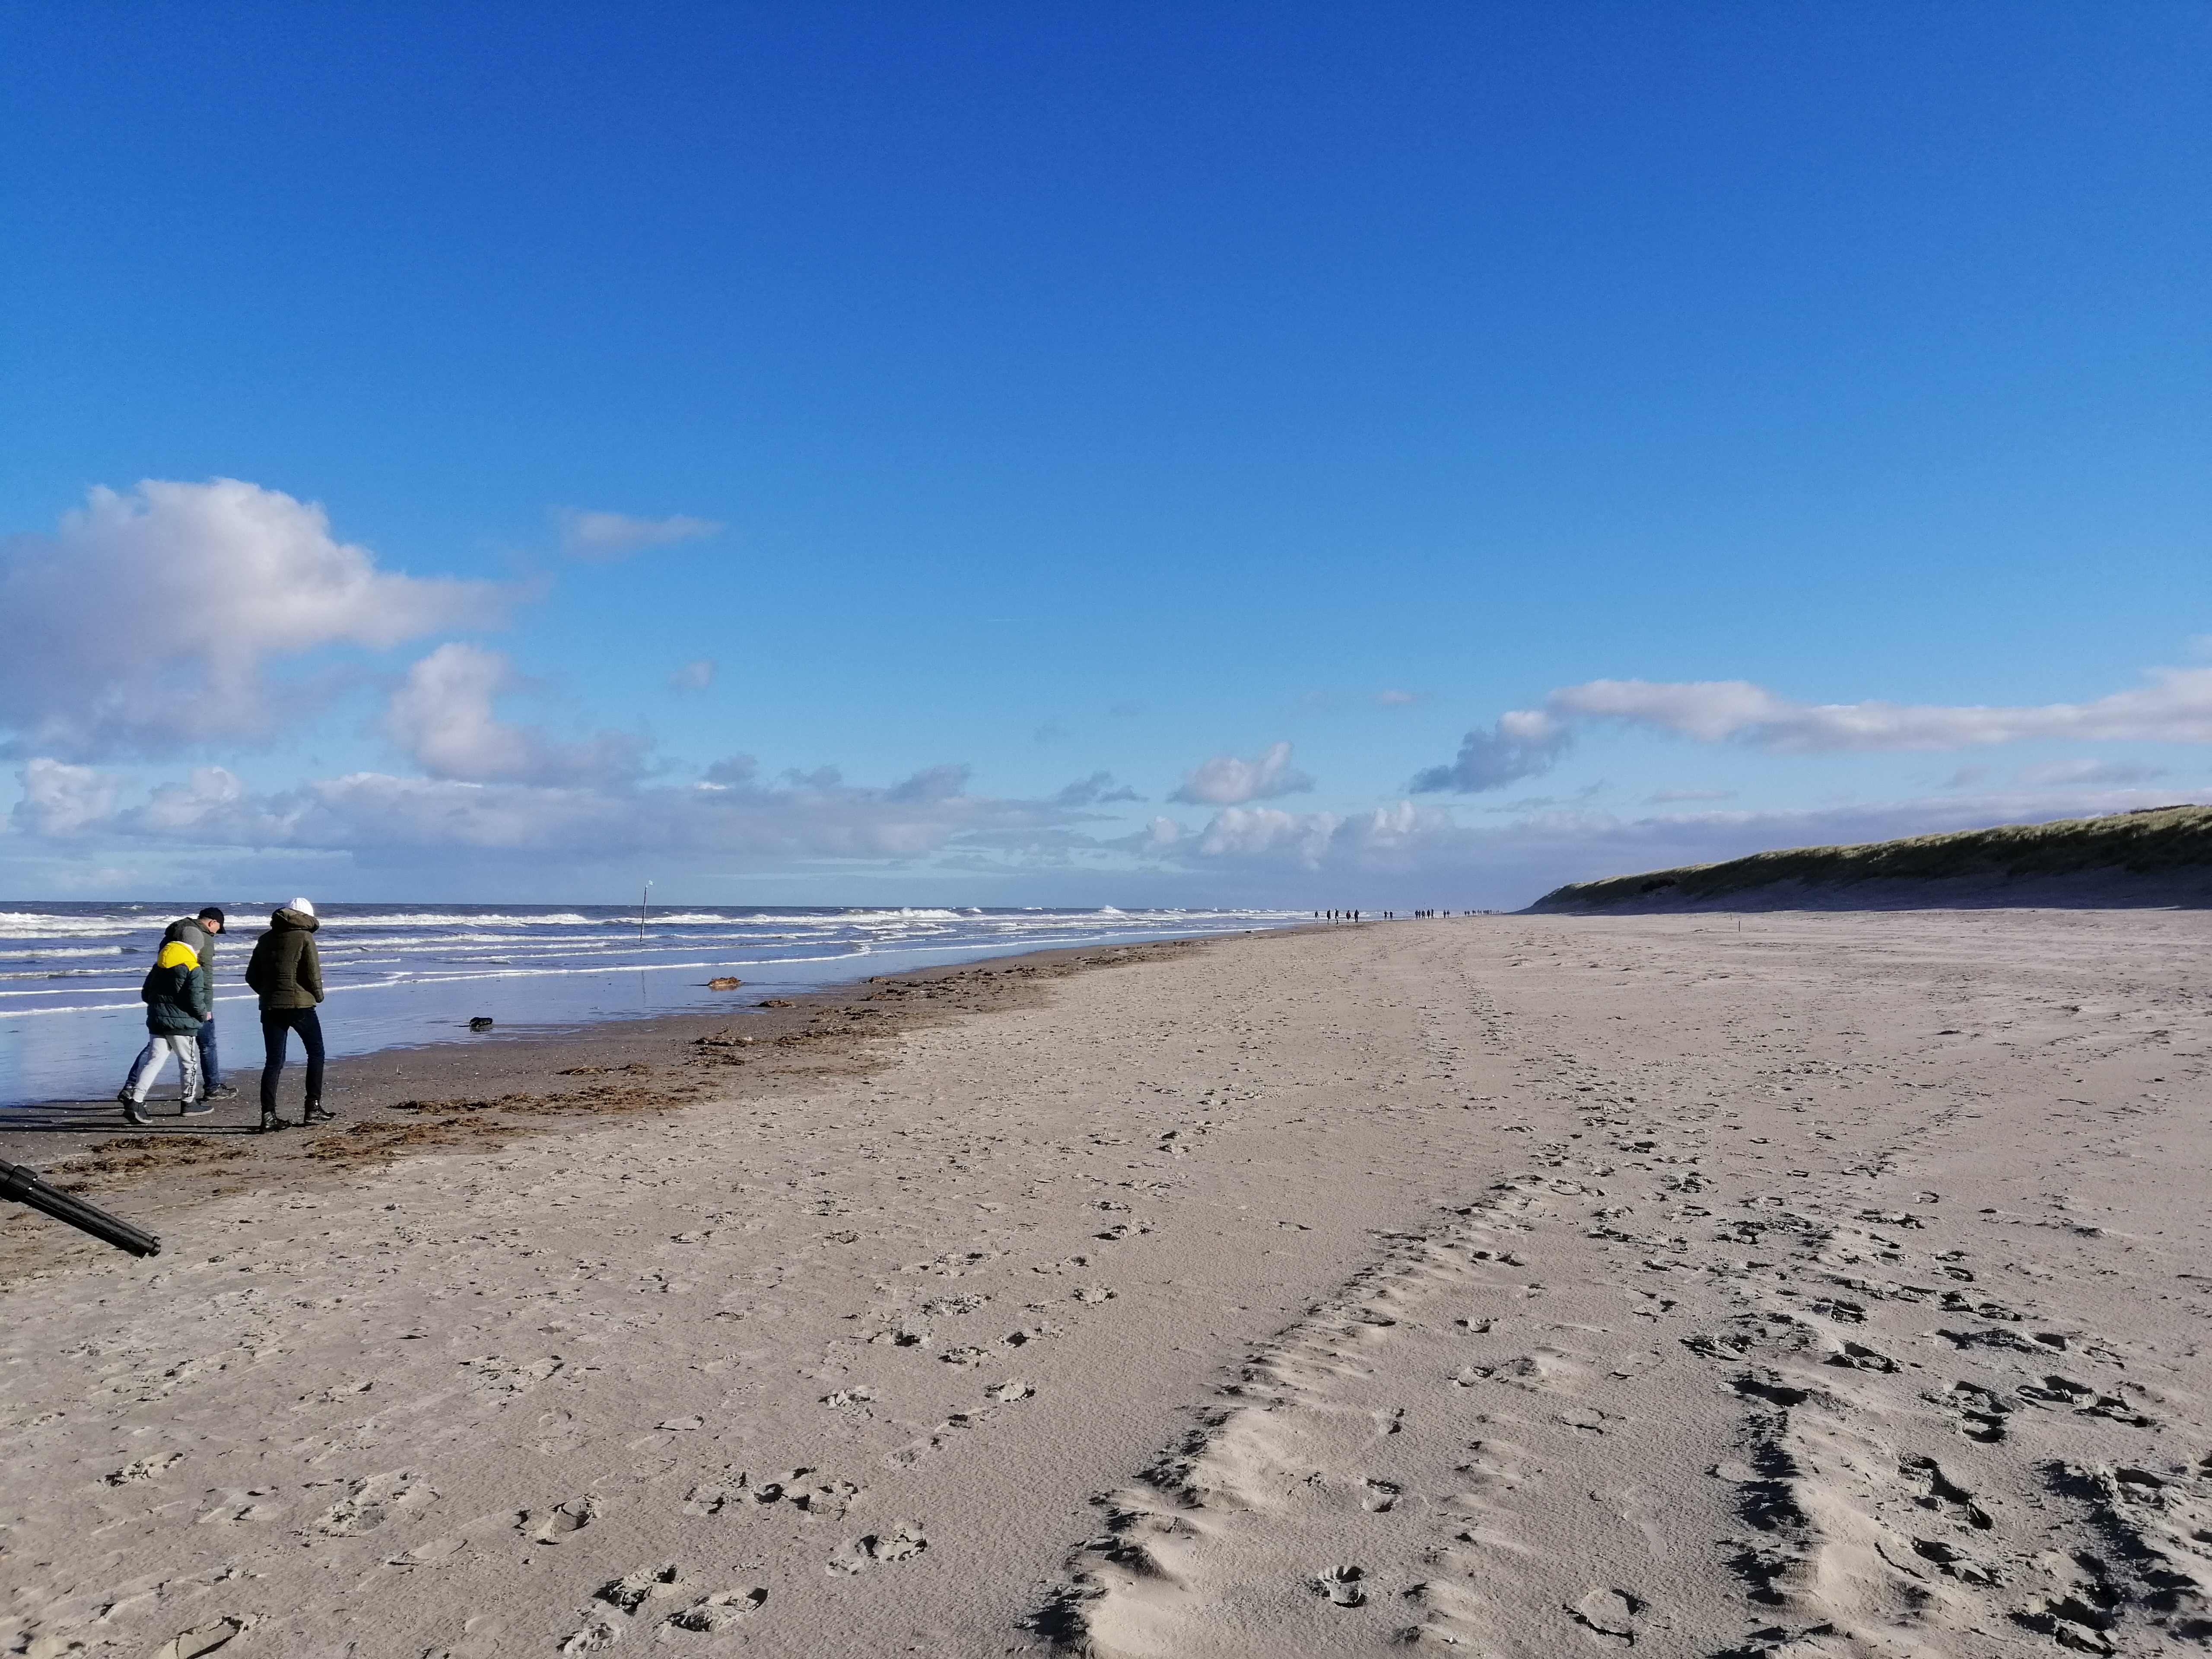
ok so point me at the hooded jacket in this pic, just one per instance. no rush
(285, 971)
(190, 930)
(176, 992)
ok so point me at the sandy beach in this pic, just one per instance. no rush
(1524, 1286)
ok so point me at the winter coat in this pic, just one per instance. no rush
(284, 968)
(176, 993)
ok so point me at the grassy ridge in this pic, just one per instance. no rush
(2158, 841)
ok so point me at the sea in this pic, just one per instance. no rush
(407, 975)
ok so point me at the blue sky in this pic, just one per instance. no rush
(1051, 391)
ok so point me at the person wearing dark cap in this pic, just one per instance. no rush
(198, 933)
(287, 973)
(179, 1001)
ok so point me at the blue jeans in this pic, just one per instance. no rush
(211, 1070)
(277, 1024)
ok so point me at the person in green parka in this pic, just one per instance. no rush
(179, 999)
(286, 973)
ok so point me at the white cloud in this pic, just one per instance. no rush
(61, 800)
(1522, 743)
(1662, 797)
(1400, 699)
(2176, 706)
(1315, 840)
(442, 715)
(602, 536)
(1226, 781)
(144, 624)
(693, 676)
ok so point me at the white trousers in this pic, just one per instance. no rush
(186, 1047)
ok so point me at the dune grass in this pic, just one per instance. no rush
(2156, 840)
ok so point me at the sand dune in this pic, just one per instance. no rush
(1520, 1285)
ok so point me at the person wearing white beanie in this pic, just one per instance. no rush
(287, 974)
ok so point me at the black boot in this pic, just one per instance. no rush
(315, 1114)
(270, 1121)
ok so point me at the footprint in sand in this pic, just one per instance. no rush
(551, 1526)
(827, 1500)
(901, 1543)
(1955, 1562)
(1544, 1371)
(190, 1644)
(1940, 1491)
(596, 1637)
(945, 1306)
(1858, 1357)
(1982, 1413)
(373, 1501)
(712, 1496)
(719, 1611)
(1610, 1613)
(634, 1590)
(776, 1490)
(1341, 1586)
(145, 1468)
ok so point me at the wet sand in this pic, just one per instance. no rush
(1525, 1285)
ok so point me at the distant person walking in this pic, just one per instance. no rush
(287, 974)
(179, 1000)
(199, 932)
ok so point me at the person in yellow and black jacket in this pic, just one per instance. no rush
(178, 1000)
(286, 972)
(199, 932)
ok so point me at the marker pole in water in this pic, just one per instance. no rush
(642, 899)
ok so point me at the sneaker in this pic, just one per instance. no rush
(196, 1109)
(222, 1091)
(135, 1111)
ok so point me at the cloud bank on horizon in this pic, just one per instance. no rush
(2175, 708)
(184, 628)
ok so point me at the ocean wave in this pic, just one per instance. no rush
(26, 924)
(464, 919)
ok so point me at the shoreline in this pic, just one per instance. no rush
(656, 1064)
(408, 978)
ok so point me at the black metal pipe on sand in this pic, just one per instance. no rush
(25, 1186)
